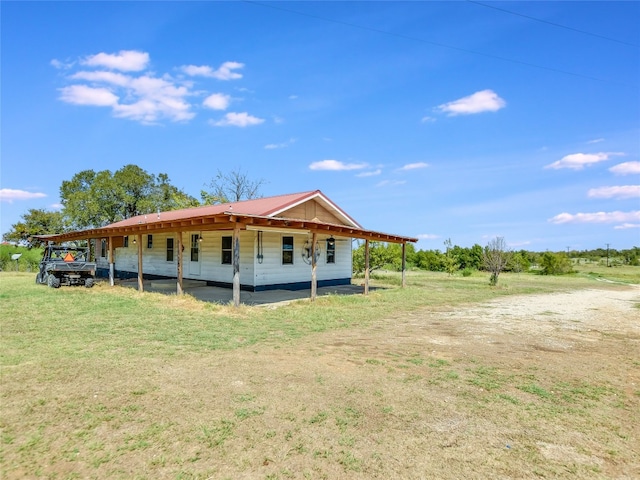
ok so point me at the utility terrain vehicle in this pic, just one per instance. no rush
(66, 265)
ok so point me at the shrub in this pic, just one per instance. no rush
(555, 264)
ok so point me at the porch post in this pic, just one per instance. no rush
(111, 261)
(314, 265)
(236, 265)
(180, 290)
(404, 264)
(140, 284)
(366, 267)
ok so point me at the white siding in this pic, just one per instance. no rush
(154, 260)
(272, 271)
(252, 272)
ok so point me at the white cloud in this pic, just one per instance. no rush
(273, 146)
(623, 191)
(482, 101)
(597, 217)
(428, 119)
(595, 140)
(146, 97)
(84, 95)
(370, 174)
(125, 60)
(242, 119)
(414, 166)
(336, 165)
(102, 76)
(293, 97)
(626, 226)
(428, 236)
(217, 101)
(577, 161)
(626, 168)
(56, 206)
(9, 195)
(224, 72)
(61, 65)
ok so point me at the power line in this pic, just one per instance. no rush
(437, 44)
(554, 24)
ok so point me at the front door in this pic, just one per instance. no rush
(195, 255)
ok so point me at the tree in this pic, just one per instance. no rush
(380, 255)
(231, 187)
(450, 262)
(93, 199)
(495, 258)
(555, 263)
(35, 222)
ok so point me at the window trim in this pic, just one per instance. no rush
(288, 251)
(149, 241)
(228, 250)
(195, 247)
(331, 249)
(170, 250)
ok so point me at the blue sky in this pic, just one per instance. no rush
(437, 120)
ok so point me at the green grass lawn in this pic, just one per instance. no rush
(111, 383)
(43, 324)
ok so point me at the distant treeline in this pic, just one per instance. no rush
(455, 258)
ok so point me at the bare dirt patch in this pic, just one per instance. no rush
(518, 387)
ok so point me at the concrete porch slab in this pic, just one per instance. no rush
(201, 291)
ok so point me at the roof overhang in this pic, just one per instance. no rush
(228, 221)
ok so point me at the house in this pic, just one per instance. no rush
(294, 241)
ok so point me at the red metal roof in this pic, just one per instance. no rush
(258, 212)
(263, 207)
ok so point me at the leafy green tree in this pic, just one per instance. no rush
(35, 222)
(555, 263)
(93, 199)
(432, 260)
(518, 262)
(495, 258)
(380, 256)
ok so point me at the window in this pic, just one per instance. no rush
(149, 241)
(331, 250)
(125, 243)
(103, 248)
(195, 247)
(227, 250)
(169, 249)
(287, 250)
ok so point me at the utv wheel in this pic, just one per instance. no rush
(89, 282)
(53, 281)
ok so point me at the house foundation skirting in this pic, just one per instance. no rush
(125, 275)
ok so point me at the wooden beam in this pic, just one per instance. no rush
(180, 289)
(314, 277)
(140, 274)
(366, 267)
(236, 265)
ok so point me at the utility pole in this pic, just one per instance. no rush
(607, 254)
